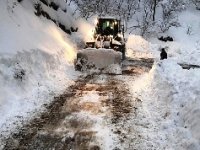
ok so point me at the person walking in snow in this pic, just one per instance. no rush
(163, 54)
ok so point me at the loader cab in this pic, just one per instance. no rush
(108, 26)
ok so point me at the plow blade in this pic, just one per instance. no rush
(100, 60)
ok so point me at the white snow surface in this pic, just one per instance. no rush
(169, 115)
(186, 45)
(36, 63)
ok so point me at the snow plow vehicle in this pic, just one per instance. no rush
(106, 51)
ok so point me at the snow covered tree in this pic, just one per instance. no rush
(149, 15)
(158, 13)
(120, 8)
(169, 10)
(152, 5)
(56, 11)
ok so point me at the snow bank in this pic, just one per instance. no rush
(168, 115)
(137, 47)
(28, 80)
(184, 104)
(22, 30)
(186, 84)
(137, 43)
(36, 63)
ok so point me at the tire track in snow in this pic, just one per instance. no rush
(91, 115)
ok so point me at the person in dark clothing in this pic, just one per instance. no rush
(163, 54)
(108, 31)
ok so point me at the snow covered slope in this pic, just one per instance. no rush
(186, 45)
(36, 62)
(169, 115)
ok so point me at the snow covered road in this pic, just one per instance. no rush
(157, 109)
(96, 113)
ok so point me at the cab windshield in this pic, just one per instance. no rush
(107, 27)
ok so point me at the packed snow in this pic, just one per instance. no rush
(36, 63)
(169, 115)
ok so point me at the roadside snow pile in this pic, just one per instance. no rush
(186, 95)
(36, 63)
(168, 117)
(138, 47)
(137, 43)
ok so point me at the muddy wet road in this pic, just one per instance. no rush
(90, 116)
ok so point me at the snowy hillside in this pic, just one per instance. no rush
(36, 61)
(169, 116)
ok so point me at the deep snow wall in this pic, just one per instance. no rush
(168, 115)
(36, 63)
